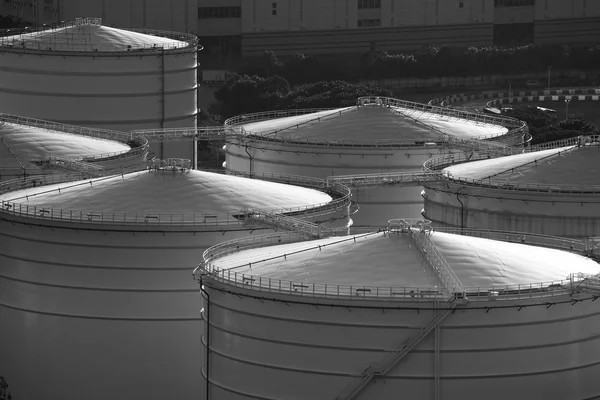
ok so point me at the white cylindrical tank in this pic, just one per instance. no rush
(427, 315)
(552, 192)
(380, 135)
(30, 147)
(87, 74)
(97, 297)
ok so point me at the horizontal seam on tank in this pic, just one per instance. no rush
(404, 377)
(482, 308)
(98, 289)
(139, 319)
(64, 265)
(545, 216)
(100, 246)
(128, 122)
(96, 74)
(453, 351)
(221, 386)
(556, 197)
(97, 228)
(323, 166)
(97, 95)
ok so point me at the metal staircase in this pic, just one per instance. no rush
(69, 165)
(397, 355)
(410, 178)
(10, 150)
(253, 216)
(450, 284)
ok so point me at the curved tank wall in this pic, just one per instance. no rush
(551, 192)
(277, 349)
(271, 340)
(82, 301)
(123, 90)
(306, 160)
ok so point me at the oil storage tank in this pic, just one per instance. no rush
(87, 74)
(466, 315)
(30, 147)
(553, 191)
(377, 136)
(97, 296)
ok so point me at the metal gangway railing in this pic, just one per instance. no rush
(408, 178)
(179, 134)
(267, 219)
(170, 164)
(420, 231)
(69, 165)
(385, 366)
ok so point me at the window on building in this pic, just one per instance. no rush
(219, 12)
(274, 9)
(369, 22)
(461, 4)
(513, 3)
(369, 4)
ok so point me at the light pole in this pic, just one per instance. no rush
(567, 109)
(549, 69)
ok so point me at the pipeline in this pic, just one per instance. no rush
(462, 209)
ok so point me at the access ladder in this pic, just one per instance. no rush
(392, 360)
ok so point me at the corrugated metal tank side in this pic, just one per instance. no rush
(115, 92)
(569, 215)
(77, 305)
(277, 349)
(376, 203)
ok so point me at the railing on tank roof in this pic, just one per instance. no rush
(233, 125)
(57, 126)
(340, 193)
(574, 283)
(69, 164)
(533, 239)
(141, 143)
(508, 122)
(28, 40)
(439, 163)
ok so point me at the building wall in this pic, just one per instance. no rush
(177, 15)
(38, 12)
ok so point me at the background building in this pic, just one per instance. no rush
(232, 27)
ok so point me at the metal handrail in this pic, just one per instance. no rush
(57, 126)
(26, 41)
(442, 162)
(516, 126)
(141, 142)
(340, 193)
(540, 290)
(408, 178)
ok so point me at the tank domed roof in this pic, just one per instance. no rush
(22, 143)
(389, 260)
(169, 192)
(569, 165)
(372, 123)
(88, 34)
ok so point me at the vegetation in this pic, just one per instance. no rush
(545, 126)
(242, 94)
(429, 61)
